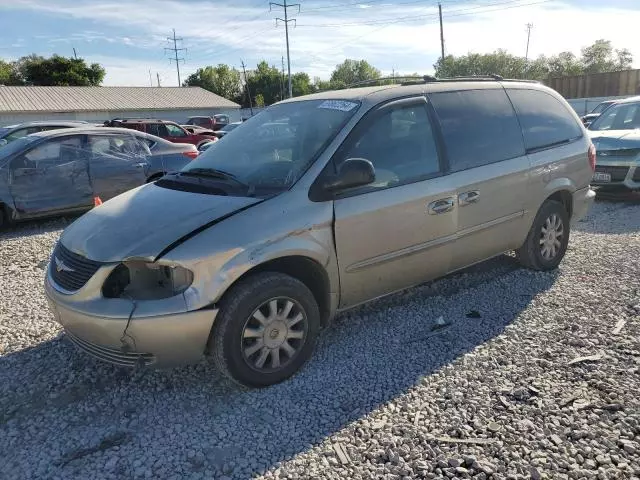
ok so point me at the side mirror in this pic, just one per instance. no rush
(354, 172)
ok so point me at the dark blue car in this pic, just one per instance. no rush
(64, 171)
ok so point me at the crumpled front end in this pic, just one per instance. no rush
(146, 330)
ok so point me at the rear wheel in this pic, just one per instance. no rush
(548, 238)
(266, 329)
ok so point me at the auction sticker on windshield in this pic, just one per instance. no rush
(342, 105)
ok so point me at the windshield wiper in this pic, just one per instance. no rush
(213, 173)
(218, 174)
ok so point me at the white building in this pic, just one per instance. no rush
(97, 104)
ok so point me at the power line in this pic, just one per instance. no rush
(411, 18)
(462, 12)
(175, 50)
(286, 21)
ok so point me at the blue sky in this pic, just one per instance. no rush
(129, 38)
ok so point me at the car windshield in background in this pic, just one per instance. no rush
(272, 150)
(229, 127)
(623, 116)
(600, 108)
(3, 131)
(11, 148)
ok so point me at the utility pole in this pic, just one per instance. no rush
(286, 29)
(441, 32)
(150, 79)
(175, 50)
(282, 81)
(75, 55)
(526, 55)
(158, 77)
(246, 82)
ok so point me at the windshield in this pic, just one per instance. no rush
(3, 131)
(600, 108)
(229, 127)
(621, 116)
(273, 149)
(7, 151)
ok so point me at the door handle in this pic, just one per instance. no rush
(468, 198)
(441, 206)
(140, 165)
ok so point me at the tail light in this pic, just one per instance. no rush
(591, 154)
(191, 154)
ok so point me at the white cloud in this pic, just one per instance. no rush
(218, 33)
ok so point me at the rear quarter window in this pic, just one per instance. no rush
(479, 127)
(545, 120)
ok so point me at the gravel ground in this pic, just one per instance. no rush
(525, 376)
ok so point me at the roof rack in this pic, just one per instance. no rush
(422, 79)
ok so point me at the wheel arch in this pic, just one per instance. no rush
(304, 269)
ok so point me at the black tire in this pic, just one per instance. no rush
(4, 217)
(227, 343)
(531, 253)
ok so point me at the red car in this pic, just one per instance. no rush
(214, 123)
(170, 131)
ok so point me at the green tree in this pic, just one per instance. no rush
(259, 100)
(301, 84)
(499, 62)
(59, 71)
(320, 85)
(564, 64)
(9, 74)
(221, 80)
(265, 80)
(601, 57)
(353, 71)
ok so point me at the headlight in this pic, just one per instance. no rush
(146, 281)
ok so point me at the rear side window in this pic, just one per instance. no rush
(157, 129)
(479, 127)
(545, 120)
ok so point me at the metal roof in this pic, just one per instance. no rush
(79, 99)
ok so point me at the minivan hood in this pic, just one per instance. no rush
(142, 222)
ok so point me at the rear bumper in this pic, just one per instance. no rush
(160, 341)
(623, 174)
(582, 201)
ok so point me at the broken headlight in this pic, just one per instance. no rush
(146, 281)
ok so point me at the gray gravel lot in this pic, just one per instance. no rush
(528, 378)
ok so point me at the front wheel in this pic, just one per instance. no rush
(548, 238)
(266, 329)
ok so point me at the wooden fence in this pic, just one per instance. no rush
(611, 84)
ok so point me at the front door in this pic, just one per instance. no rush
(51, 177)
(399, 231)
(119, 163)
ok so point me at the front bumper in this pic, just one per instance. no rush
(582, 201)
(161, 341)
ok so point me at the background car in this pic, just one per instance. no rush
(198, 130)
(226, 129)
(170, 131)
(595, 113)
(616, 136)
(13, 132)
(62, 171)
(214, 123)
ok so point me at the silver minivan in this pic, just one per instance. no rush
(252, 248)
